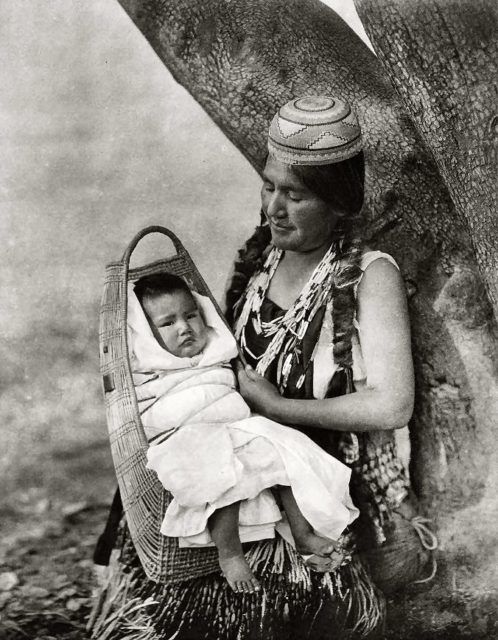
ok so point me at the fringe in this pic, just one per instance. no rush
(429, 542)
(294, 603)
(117, 613)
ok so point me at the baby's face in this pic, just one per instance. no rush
(178, 322)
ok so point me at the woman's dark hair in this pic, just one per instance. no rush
(158, 284)
(341, 184)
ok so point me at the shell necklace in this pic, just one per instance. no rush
(287, 331)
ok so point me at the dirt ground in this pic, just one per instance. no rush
(46, 579)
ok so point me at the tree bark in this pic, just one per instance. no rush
(442, 58)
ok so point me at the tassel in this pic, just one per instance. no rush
(429, 541)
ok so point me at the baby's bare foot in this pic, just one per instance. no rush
(238, 574)
(320, 554)
(312, 543)
(321, 564)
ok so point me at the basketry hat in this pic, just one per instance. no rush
(314, 130)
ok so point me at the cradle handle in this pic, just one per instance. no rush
(181, 251)
(144, 232)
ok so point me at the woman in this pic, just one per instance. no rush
(304, 224)
(347, 305)
(324, 328)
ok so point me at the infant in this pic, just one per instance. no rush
(223, 465)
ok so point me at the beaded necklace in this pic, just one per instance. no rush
(287, 331)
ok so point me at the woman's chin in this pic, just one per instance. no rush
(289, 244)
(284, 241)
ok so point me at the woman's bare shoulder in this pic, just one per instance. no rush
(369, 256)
(381, 280)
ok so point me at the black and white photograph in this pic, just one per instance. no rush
(249, 320)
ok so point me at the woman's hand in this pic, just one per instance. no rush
(260, 394)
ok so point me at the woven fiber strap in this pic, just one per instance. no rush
(144, 499)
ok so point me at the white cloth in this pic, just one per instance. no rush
(209, 451)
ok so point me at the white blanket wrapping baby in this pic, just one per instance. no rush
(209, 451)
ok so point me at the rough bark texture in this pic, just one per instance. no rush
(442, 58)
(241, 59)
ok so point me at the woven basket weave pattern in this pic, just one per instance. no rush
(144, 499)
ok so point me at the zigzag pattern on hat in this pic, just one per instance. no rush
(288, 129)
(326, 136)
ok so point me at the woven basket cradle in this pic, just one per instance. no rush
(144, 499)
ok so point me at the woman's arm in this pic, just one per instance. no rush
(387, 400)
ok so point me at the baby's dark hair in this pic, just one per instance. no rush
(158, 284)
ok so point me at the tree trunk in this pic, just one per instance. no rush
(442, 58)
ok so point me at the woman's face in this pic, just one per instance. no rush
(299, 220)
